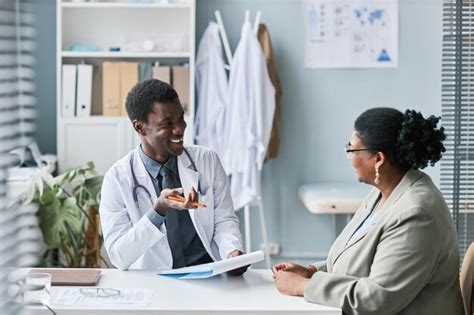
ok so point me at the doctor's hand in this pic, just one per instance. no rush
(305, 272)
(238, 271)
(163, 203)
(290, 283)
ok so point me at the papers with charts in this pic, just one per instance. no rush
(214, 268)
(136, 297)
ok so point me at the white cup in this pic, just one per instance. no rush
(37, 288)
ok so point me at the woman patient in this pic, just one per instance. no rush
(399, 253)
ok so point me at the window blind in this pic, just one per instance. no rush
(19, 233)
(457, 165)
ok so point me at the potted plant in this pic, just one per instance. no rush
(68, 216)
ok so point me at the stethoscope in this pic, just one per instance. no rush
(137, 185)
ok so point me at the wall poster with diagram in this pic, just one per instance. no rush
(351, 33)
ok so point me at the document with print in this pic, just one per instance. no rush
(351, 33)
(136, 297)
(214, 268)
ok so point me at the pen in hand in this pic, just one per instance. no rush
(183, 200)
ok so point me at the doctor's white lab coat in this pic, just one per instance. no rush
(249, 118)
(132, 241)
(211, 81)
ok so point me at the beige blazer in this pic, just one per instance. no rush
(406, 262)
(467, 280)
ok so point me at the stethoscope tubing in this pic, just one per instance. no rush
(137, 185)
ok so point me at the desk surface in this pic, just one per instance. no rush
(253, 293)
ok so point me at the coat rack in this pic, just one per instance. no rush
(263, 226)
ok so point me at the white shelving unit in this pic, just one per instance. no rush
(114, 23)
(110, 54)
(118, 4)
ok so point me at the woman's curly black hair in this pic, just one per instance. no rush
(408, 140)
(141, 98)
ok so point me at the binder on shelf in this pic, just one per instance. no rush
(162, 73)
(128, 79)
(68, 97)
(180, 76)
(146, 72)
(111, 89)
(84, 90)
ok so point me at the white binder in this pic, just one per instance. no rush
(84, 90)
(68, 98)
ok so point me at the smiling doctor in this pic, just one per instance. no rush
(142, 227)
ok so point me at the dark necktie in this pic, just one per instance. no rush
(178, 222)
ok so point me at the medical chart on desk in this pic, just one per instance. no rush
(214, 268)
(131, 297)
(351, 33)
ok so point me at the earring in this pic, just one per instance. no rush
(377, 176)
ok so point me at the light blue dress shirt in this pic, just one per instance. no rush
(367, 222)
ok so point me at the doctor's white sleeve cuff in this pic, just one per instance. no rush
(155, 218)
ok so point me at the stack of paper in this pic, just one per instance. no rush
(214, 268)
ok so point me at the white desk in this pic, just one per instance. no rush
(254, 293)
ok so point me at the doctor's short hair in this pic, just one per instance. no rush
(408, 140)
(143, 95)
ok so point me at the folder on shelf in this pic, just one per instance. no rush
(128, 79)
(214, 268)
(162, 73)
(68, 97)
(84, 90)
(71, 277)
(111, 89)
(180, 76)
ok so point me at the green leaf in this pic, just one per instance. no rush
(40, 186)
(61, 179)
(90, 165)
(93, 186)
(30, 194)
(48, 179)
(48, 196)
(67, 177)
(56, 218)
(59, 192)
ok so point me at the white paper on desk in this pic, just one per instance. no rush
(136, 297)
(214, 268)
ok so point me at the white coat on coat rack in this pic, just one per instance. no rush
(258, 200)
(249, 121)
(211, 82)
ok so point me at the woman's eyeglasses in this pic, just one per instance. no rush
(348, 149)
(99, 292)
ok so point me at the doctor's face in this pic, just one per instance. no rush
(163, 134)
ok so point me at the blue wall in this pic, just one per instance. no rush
(46, 73)
(318, 106)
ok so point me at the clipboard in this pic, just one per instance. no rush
(71, 277)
